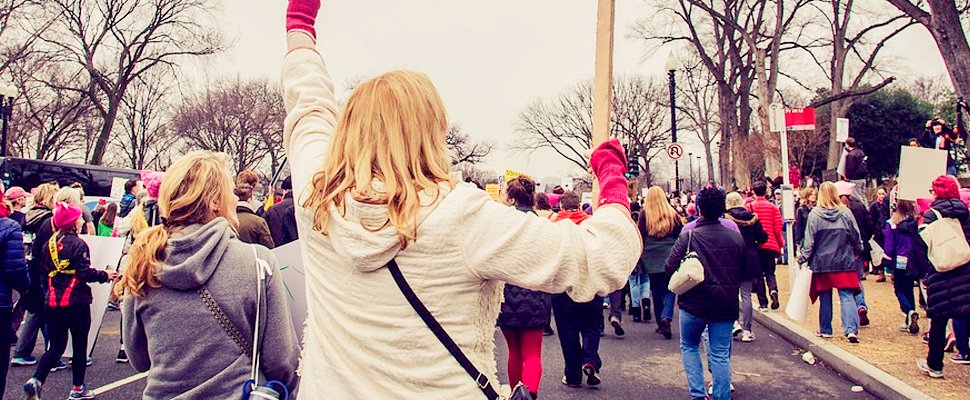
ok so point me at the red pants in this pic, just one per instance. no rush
(525, 357)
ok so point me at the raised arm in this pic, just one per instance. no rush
(595, 257)
(311, 108)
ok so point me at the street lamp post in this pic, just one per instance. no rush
(672, 65)
(7, 93)
(700, 179)
(690, 170)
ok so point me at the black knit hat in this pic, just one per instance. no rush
(287, 184)
(710, 202)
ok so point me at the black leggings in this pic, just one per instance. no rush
(75, 319)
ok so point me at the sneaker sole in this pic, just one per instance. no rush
(914, 324)
(929, 372)
(617, 329)
(22, 363)
(591, 378)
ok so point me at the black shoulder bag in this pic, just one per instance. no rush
(521, 392)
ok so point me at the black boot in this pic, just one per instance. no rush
(645, 305)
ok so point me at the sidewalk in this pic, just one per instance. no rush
(881, 343)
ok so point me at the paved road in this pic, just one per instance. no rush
(640, 366)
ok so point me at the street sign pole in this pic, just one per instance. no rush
(787, 195)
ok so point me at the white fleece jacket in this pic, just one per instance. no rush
(362, 339)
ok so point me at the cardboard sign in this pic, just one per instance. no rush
(493, 190)
(510, 175)
(918, 167)
(841, 129)
(800, 119)
(290, 257)
(105, 255)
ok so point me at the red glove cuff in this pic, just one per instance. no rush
(301, 15)
(608, 162)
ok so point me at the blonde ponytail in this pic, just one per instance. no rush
(195, 190)
(147, 253)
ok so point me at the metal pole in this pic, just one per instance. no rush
(673, 128)
(5, 110)
(690, 170)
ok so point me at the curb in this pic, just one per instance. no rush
(874, 380)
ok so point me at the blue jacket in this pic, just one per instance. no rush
(13, 273)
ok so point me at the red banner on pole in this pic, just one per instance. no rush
(800, 119)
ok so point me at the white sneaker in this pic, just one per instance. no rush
(710, 388)
(747, 336)
(737, 329)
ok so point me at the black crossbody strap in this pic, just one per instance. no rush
(439, 331)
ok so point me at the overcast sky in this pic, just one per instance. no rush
(489, 59)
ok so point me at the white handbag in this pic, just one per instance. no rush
(946, 245)
(689, 274)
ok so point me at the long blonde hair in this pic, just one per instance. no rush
(828, 196)
(658, 217)
(195, 190)
(392, 131)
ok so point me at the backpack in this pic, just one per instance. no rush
(946, 245)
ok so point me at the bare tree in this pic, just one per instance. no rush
(49, 119)
(241, 118)
(722, 51)
(944, 24)
(116, 42)
(698, 105)
(466, 150)
(850, 36)
(564, 123)
(144, 137)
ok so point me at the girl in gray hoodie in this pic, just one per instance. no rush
(191, 293)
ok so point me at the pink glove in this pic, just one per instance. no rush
(301, 14)
(608, 162)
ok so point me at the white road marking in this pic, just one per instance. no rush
(120, 383)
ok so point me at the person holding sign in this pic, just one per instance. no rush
(66, 263)
(378, 211)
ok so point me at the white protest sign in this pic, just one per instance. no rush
(105, 255)
(567, 184)
(118, 187)
(841, 129)
(540, 187)
(290, 258)
(918, 167)
(587, 198)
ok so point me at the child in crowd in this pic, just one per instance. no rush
(898, 247)
(66, 262)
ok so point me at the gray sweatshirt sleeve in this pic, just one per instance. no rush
(136, 343)
(280, 348)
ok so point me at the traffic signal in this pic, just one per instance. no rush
(633, 164)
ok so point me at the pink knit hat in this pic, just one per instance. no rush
(65, 215)
(152, 181)
(844, 188)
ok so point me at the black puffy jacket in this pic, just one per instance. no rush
(524, 308)
(947, 293)
(753, 234)
(722, 252)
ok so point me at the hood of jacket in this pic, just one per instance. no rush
(35, 215)
(361, 233)
(577, 216)
(741, 216)
(831, 214)
(192, 254)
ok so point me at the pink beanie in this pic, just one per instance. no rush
(65, 215)
(152, 181)
(844, 188)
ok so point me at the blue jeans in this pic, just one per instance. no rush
(663, 299)
(718, 355)
(639, 288)
(850, 311)
(860, 298)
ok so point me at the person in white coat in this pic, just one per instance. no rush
(372, 184)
